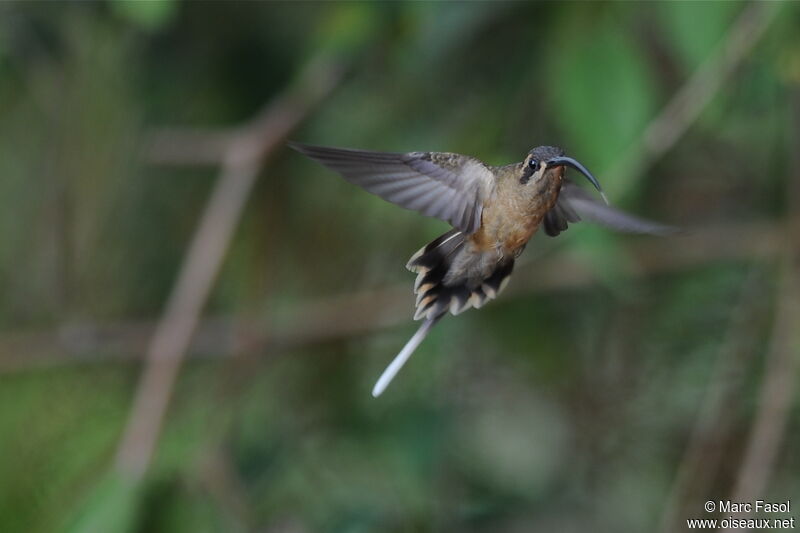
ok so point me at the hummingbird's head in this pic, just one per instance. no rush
(548, 162)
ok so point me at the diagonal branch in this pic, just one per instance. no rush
(244, 156)
(692, 98)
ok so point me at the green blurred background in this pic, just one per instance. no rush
(616, 386)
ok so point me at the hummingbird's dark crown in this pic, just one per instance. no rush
(545, 153)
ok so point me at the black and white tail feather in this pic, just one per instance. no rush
(446, 281)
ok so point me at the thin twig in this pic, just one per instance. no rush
(693, 97)
(777, 391)
(714, 421)
(219, 477)
(243, 159)
(780, 374)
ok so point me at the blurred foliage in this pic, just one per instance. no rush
(153, 14)
(567, 410)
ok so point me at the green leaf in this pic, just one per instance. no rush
(347, 28)
(110, 507)
(149, 14)
(601, 91)
(696, 28)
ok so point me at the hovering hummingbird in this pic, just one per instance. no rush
(494, 212)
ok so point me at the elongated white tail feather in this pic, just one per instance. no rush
(401, 358)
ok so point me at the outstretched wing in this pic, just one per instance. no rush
(574, 204)
(450, 187)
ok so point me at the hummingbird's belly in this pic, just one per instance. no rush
(506, 235)
(508, 231)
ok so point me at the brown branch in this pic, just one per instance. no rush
(183, 146)
(358, 313)
(243, 158)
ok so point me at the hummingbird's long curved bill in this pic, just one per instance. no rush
(574, 163)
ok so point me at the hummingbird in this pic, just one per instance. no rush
(493, 210)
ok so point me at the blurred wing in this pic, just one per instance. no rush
(574, 204)
(450, 187)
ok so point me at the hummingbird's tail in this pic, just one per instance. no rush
(401, 358)
(452, 276)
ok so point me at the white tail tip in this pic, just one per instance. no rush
(401, 358)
